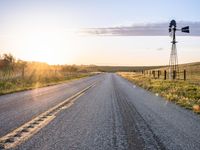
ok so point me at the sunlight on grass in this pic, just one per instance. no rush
(184, 93)
(18, 75)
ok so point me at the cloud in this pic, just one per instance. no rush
(160, 49)
(153, 29)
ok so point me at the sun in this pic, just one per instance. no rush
(50, 46)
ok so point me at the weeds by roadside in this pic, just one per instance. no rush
(184, 93)
(27, 83)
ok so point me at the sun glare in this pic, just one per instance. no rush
(53, 46)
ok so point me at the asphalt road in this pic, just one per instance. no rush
(115, 114)
(18, 108)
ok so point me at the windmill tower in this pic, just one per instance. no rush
(173, 61)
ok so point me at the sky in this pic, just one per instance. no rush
(100, 32)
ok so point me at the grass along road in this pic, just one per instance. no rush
(21, 84)
(183, 93)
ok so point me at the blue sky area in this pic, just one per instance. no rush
(42, 29)
(101, 13)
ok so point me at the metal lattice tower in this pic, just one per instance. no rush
(173, 61)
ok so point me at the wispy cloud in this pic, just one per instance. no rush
(153, 29)
(160, 49)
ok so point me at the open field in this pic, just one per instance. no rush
(19, 75)
(123, 68)
(185, 93)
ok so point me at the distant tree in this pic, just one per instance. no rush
(7, 63)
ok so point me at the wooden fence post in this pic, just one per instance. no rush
(174, 74)
(165, 75)
(184, 73)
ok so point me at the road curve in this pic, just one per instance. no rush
(115, 114)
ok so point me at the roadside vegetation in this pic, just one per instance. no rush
(17, 75)
(184, 93)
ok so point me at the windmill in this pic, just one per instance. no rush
(173, 61)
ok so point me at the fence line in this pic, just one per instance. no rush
(164, 74)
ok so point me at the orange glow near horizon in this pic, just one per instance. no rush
(53, 46)
(56, 45)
